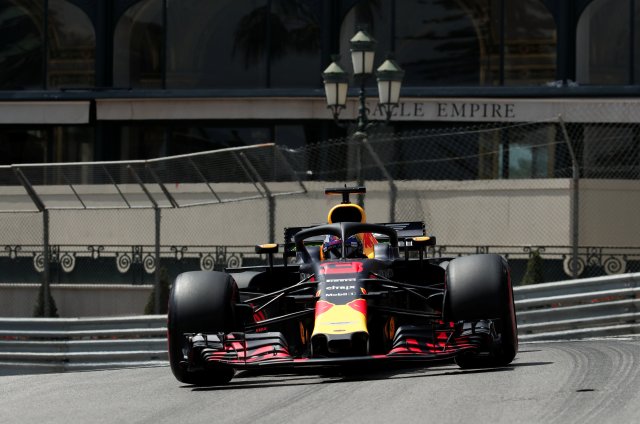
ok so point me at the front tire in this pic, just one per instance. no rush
(200, 302)
(478, 287)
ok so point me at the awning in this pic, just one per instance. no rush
(44, 112)
(578, 110)
(585, 110)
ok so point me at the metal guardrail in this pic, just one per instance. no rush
(592, 307)
(64, 344)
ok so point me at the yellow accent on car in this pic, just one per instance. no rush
(346, 212)
(390, 328)
(340, 319)
(303, 334)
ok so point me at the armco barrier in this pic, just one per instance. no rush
(591, 307)
(61, 344)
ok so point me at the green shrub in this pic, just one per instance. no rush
(533, 274)
(150, 307)
(38, 310)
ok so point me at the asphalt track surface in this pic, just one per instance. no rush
(594, 381)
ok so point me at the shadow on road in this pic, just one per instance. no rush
(250, 379)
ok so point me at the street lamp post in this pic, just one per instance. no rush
(336, 80)
(389, 76)
(362, 55)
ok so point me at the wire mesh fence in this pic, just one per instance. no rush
(563, 193)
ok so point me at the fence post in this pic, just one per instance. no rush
(156, 209)
(575, 201)
(158, 216)
(46, 254)
(393, 189)
(272, 218)
(271, 201)
(47, 263)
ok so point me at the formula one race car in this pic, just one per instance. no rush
(349, 294)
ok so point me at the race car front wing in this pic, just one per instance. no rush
(270, 349)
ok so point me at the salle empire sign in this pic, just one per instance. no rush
(440, 110)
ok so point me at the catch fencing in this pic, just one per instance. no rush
(112, 221)
(577, 309)
(558, 199)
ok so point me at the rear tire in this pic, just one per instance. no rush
(200, 302)
(478, 287)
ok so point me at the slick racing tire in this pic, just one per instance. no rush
(200, 302)
(478, 287)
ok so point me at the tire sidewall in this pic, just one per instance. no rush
(199, 302)
(478, 287)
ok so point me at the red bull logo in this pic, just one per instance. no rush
(341, 312)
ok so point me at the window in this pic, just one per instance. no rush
(23, 146)
(530, 43)
(137, 47)
(229, 44)
(295, 45)
(72, 144)
(21, 45)
(438, 43)
(373, 16)
(530, 153)
(224, 46)
(606, 37)
(71, 47)
(200, 138)
(461, 42)
(152, 141)
(46, 144)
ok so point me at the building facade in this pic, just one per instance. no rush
(135, 79)
(537, 103)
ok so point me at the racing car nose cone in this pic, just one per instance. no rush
(350, 344)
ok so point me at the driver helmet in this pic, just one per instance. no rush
(332, 247)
